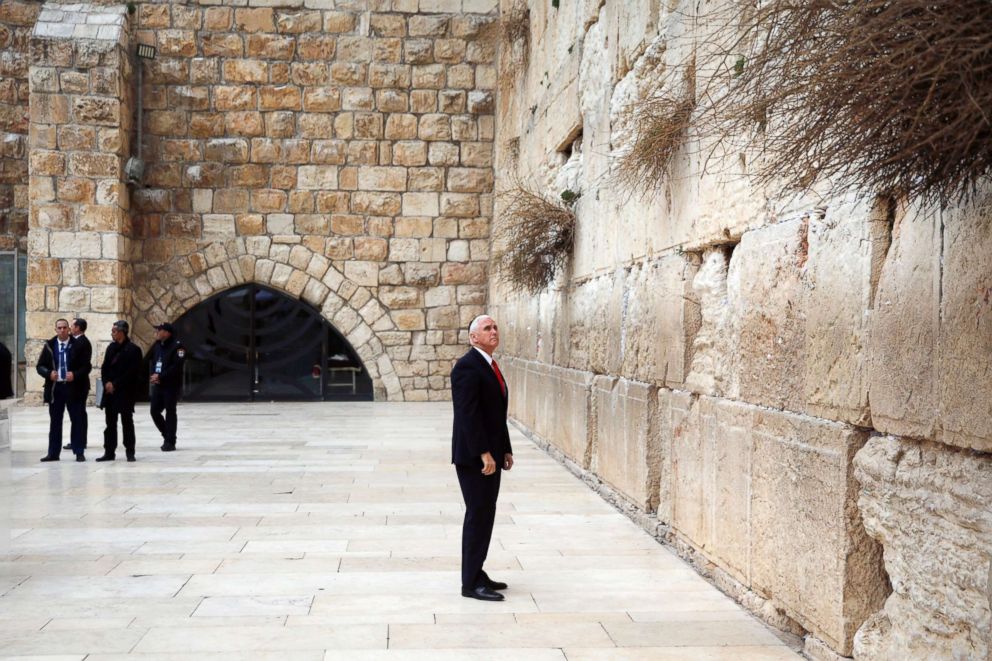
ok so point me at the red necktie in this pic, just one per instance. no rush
(499, 377)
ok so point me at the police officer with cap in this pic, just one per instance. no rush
(165, 371)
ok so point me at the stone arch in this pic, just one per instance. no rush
(168, 291)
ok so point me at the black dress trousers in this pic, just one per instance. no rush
(480, 493)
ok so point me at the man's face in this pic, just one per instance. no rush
(76, 330)
(163, 335)
(116, 334)
(62, 330)
(486, 335)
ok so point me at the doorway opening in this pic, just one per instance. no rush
(254, 343)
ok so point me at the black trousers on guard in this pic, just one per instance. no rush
(480, 493)
(110, 433)
(164, 399)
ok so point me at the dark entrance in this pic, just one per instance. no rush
(253, 343)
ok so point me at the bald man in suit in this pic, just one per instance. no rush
(480, 451)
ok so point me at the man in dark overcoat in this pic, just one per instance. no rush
(122, 380)
(66, 371)
(480, 451)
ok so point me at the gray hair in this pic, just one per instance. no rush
(474, 326)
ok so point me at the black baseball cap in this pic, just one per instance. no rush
(166, 327)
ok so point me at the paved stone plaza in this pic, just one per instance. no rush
(332, 531)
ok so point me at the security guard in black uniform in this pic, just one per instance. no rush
(165, 371)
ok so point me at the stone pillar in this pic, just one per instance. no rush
(80, 122)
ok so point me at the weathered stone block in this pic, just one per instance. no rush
(627, 452)
(807, 464)
(928, 506)
(964, 387)
(905, 327)
(765, 291)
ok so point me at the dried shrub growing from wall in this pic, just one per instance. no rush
(512, 33)
(533, 238)
(661, 123)
(883, 96)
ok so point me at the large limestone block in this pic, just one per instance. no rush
(809, 549)
(659, 318)
(965, 374)
(569, 413)
(905, 328)
(846, 249)
(765, 292)
(627, 452)
(593, 317)
(928, 505)
(711, 459)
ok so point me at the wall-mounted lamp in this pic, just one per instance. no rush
(134, 169)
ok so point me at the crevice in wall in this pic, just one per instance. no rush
(708, 367)
(883, 221)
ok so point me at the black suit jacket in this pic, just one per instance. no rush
(122, 367)
(6, 389)
(80, 357)
(480, 412)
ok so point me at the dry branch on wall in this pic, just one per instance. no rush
(533, 239)
(881, 96)
(512, 32)
(660, 125)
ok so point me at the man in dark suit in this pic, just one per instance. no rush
(121, 374)
(77, 411)
(6, 361)
(480, 451)
(165, 376)
(67, 382)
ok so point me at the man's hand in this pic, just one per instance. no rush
(507, 461)
(53, 376)
(155, 379)
(488, 464)
(69, 377)
(108, 388)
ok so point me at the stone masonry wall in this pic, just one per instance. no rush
(338, 151)
(719, 357)
(81, 92)
(16, 21)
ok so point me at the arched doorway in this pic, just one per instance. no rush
(254, 343)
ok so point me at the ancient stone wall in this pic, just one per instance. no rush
(340, 152)
(718, 356)
(17, 18)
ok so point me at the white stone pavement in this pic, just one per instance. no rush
(332, 531)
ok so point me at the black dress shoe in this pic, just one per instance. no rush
(67, 446)
(80, 457)
(168, 448)
(482, 593)
(491, 584)
(49, 458)
(495, 585)
(130, 457)
(105, 458)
